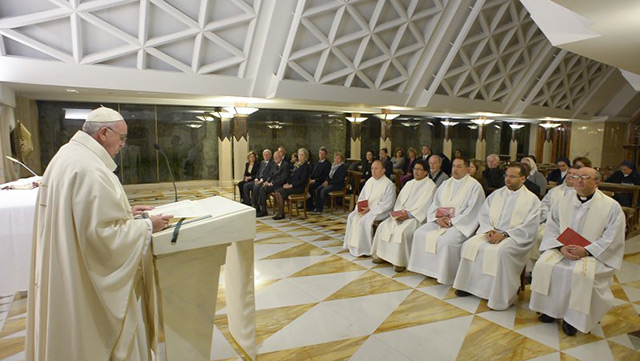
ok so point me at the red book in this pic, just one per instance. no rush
(362, 205)
(445, 212)
(396, 214)
(571, 237)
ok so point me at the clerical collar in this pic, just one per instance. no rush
(461, 179)
(585, 199)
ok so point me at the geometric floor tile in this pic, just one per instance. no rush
(282, 268)
(331, 264)
(220, 347)
(301, 250)
(423, 309)
(503, 343)
(367, 284)
(594, 351)
(545, 333)
(620, 320)
(504, 318)
(270, 321)
(328, 351)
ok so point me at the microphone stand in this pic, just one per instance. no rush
(22, 164)
(175, 189)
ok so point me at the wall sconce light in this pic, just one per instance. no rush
(482, 121)
(387, 115)
(549, 125)
(516, 126)
(356, 118)
(448, 123)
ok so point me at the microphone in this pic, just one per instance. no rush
(22, 164)
(175, 190)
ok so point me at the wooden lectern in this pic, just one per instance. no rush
(187, 277)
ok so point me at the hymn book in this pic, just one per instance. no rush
(571, 237)
(445, 212)
(396, 214)
(362, 205)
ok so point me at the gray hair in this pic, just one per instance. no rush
(92, 128)
(494, 156)
(268, 151)
(436, 157)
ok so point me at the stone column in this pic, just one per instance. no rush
(356, 140)
(240, 140)
(447, 144)
(225, 153)
(547, 147)
(481, 143)
(513, 146)
(385, 136)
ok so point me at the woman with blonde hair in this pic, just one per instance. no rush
(250, 172)
(296, 183)
(475, 171)
(413, 156)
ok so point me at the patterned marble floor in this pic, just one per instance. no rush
(314, 301)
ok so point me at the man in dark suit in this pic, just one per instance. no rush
(285, 156)
(386, 162)
(426, 153)
(494, 174)
(251, 189)
(318, 175)
(275, 180)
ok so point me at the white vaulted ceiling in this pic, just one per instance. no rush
(417, 55)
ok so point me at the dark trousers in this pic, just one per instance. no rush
(243, 198)
(255, 193)
(262, 196)
(323, 192)
(312, 194)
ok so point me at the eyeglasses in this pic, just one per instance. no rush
(420, 169)
(584, 177)
(123, 137)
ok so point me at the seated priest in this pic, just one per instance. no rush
(435, 170)
(627, 174)
(558, 175)
(334, 181)
(392, 241)
(552, 197)
(493, 259)
(251, 189)
(318, 175)
(582, 247)
(275, 180)
(452, 219)
(374, 203)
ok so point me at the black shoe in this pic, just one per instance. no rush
(568, 329)
(461, 293)
(278, 217)
(261, 214)
(546, 318)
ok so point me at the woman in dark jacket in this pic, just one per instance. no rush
(335, 182)
(250, 172)
(296, 183)
(366, 167)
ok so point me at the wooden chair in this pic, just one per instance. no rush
(352, 197)
(295, 198)
(338, 194)
(398, 174)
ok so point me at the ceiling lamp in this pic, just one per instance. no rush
(410, 123)
(240, 110)
(356, 118)
(448, 123)
(474, 126)
(194, 125)
(549, 125)
(516, 126)
(274, 125)
(206, 117)
(387, 115)
(482, 121)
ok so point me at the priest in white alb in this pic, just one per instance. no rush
(492, 260)
(572, 282)
(380, 194)
(86, 299)
(552, 197)
(392, 241)
(437, 244)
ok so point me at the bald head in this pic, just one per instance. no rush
(587, 182)
(377, 169)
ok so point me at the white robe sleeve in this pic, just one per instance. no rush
(609, 249)
(552, 230)
(483, 217)
(466, 221)
(386, 202)
(545, 207)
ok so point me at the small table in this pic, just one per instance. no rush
(17, 211)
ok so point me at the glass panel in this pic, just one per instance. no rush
(138, 157)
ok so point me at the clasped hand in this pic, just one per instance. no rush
(444, 222)
(494, 236)
(573, 252)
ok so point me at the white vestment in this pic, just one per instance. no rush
(392, 241)
(380, 194)
(492, 271)
(85, 292)
(601, 221)
(441, 260)
(552, 197)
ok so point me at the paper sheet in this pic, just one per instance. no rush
(182, 209)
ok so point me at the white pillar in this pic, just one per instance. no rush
(385, 136)
(355, 141)
(513, 150)
(240, 139)
(225, 154)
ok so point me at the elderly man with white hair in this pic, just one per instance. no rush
(493, 259)
(392, 242)
(583, 247)
(493, 174)
(85, 297)
(437, 244)
(379, 193)
(436, 174)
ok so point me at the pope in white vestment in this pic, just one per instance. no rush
(552, 197)
(85, 296)
(493, 259)
(392, 241)
(436, 247)
(574, 283)
(380, 193)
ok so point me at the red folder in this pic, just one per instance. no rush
(445, 212)
(362, 205)
(396, 214)
(571, 237)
